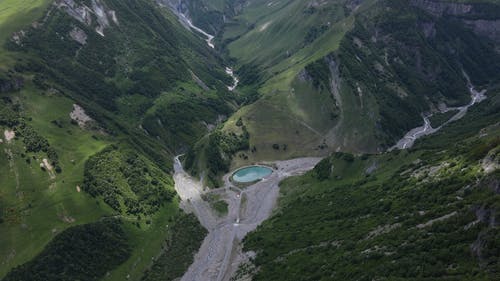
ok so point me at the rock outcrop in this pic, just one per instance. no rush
(439, 8)
(471, 14)
(488, 28)
(97, 13)
(78, 35)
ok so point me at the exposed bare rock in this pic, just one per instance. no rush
(491, 162)
(487, 216)
(487, 28)
(78, 35)
(102, 17)
(440, 8)
(316, 3)
(48, 167)
(9, 135)
(18, 36)
(431, 222)
(382, 229)
(335, 80)
(112, 14)
(304, 76)
(429, 29)
(80, 13)
(78, 114)
(97, 13)
(353, 5)
(372, 168)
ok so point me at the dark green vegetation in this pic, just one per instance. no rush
(430, 213)
(178, 117)
(406, 60)
(438, 119)
(218, 205)
(84, 252)
(121, 78)
(149, 86)
(127, 182)
(354, 75)
(178, 251)
(316, 77)
(213, 154)
(33, 142)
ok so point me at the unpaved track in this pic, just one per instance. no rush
(219, 255)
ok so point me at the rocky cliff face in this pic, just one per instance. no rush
(87, 15)
(177, 6)
(480, 17)
(488, 28)
(439, 8)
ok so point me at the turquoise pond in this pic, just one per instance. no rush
(250, 174)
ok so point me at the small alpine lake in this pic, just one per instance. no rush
(251, 174)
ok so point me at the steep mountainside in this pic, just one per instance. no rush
(354, 75)
(400, 97)
(97, 96)
(429, 213)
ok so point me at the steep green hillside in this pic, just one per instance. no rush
(96, 97)
(85, 252)
(176, 255)
(354, 75)
(119, 76)
(15, 15)
(430, 213)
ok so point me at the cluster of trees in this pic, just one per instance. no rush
(249, 74)
(366, 227)
(84, 252)
(425, 69)
(107, 69)
(178, 251)
(127, 182)
(9, 82)
(8, 117)
(33, 141)
(178, 115)
(219, 149)
(314, 32)
(319, 72)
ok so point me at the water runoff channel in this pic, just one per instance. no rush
(249, 204)
(209, 38)
(409, 139)
(221, 253)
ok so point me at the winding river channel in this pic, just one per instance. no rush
(409, 139)
(209, 38)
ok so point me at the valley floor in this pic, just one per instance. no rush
(220, 254)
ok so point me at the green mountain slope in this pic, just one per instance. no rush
(98, 96)
(430, 213)
(96, 99)
(354, 75)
